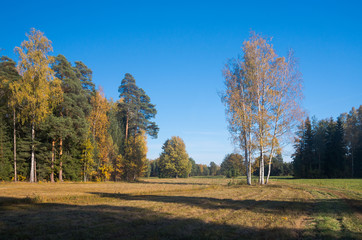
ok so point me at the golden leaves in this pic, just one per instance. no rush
(38, 90)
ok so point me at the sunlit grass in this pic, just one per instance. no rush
(193, 208)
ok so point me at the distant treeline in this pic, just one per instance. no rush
(155, 169)
(232, 166)
(329, 148)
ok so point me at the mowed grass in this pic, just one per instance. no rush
(194, 208)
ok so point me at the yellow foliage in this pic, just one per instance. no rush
(38, 90)
(99, 125)
(133, 163)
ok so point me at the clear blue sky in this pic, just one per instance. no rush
(177, 49)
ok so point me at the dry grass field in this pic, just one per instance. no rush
(194, 208)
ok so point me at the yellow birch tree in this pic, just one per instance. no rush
(39, 89)
(99, 125)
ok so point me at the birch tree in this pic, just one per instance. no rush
(285, 101)
(238, 101)
(40, 90)
(99, 124)
(262, 100)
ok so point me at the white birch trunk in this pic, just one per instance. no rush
(32, 162)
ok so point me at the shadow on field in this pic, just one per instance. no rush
(262, 206)
(27, 219)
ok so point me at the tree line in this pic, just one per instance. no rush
(233, 165)
(55, 125)
(329, 148)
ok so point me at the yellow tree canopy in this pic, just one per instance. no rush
(38, 90)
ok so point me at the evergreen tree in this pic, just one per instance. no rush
(137, 109)
(298, 155)
(154, 168)
(319, 140)
(323, 150)
(213, 169)
(352, 133)
(358, 159)
(308, 155)
(193, 167)
(8, 107)
(70, 116)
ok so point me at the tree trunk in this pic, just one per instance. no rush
(269, 169)
(248, 169)
(127, 127)
(84, 172)
(261, 169)
(32, 162)
(15, 171)
(35, 177)
(60, 159)
(52, 163)
(249, 159)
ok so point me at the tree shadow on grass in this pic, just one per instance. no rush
(29, 219)
(262, 206)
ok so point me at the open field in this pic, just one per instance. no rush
(194, 208)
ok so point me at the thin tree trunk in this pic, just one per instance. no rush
(270, 161)
(52, 164)
(261, 170)
(249, 159)
(248, 179)
(60, 159)
(15, 171)
(127, 127)
(84, 172)
(32, 162)
(35, 171)
(269, 168)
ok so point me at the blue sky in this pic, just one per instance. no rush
(177, 49)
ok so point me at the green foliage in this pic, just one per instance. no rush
(6, 168)
(134, 161)
(153, 168)
(174, 160)
(278, 167)
(328, 148)
(69, 119)
(194, 167)
(88, 137)
(136, 108)
(80, 135)
(87, 159)
(232, 165)
(116, 127)
(213, 169)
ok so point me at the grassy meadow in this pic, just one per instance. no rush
(194, 208)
